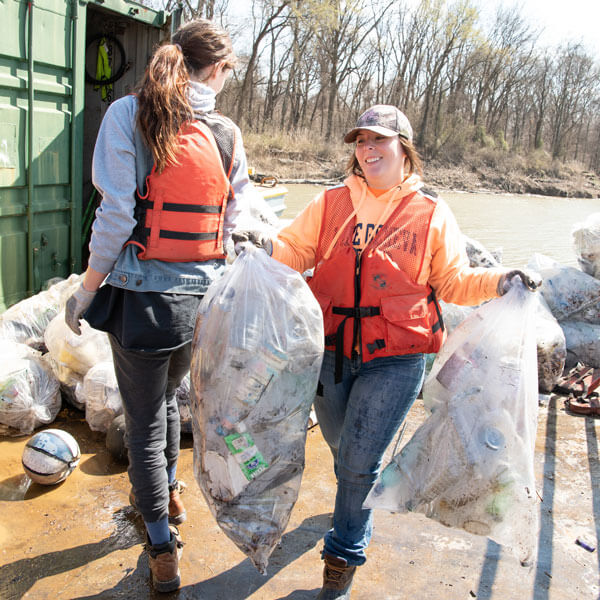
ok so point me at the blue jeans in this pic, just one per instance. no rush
(147, 383)
(359, 417)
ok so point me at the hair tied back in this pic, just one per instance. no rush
(178, 47)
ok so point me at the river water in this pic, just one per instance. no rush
(520, 225)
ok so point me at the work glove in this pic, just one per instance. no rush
(76, 305)
(257, 238)
(530, 280)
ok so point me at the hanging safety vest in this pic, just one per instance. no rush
(180, 216)
(372, 304)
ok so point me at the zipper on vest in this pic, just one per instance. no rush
(356, 336)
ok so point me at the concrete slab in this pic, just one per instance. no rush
(81, 540)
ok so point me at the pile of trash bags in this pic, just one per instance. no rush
(470, 464)
(46, 364)
(573, 295)
(256, 358)
(50, 364)
(30, 394)
(568, 313)
(72, 356)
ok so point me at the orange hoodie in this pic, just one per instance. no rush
(445, 266)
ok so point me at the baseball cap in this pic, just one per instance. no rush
(383, 119)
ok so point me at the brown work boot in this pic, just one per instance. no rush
(163, 560)
(177, 512)
(337, 579)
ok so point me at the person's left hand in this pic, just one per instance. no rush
(530, 280)
(76, 305)
(257, 238)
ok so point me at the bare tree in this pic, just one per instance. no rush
(341, 28)
(449, 35)
(266, 20)
(316, 64)
(574, 81)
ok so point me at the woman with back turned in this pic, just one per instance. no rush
(162, 155)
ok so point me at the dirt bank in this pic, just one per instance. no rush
(576, 185)
(512, 176)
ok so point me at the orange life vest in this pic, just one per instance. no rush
(180, 216)
(373, 296)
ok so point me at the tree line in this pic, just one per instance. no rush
(316, 64)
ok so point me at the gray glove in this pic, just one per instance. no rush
(257, 238)
(76, 305)
(531, 281)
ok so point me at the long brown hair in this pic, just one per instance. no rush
(163, 106)
(414, 160)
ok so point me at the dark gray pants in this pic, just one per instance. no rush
(147, 382)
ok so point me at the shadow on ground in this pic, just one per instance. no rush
(240, 581)
(18, 577)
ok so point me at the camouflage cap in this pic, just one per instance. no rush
(384, 119)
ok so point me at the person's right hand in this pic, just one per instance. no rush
(257, 238)
(531, 281)
(76, 305)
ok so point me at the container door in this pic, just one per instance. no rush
(36, 154)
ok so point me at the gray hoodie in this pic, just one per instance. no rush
(121, 163)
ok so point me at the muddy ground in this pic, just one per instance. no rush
(81, 540)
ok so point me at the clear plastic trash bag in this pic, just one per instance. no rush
(470, 464)
(99, 393)
(569, 292)
(256, 358)
(551, 345)
(480, 256)
(29, 391)
(586, 241)
(72, 356)
(26, 321)
(583, 343)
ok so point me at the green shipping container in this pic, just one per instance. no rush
(52, 54)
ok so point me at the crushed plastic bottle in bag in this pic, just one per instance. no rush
(470, 464)
(256, 358)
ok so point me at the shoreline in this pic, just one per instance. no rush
(464, 179)
(584, 185)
